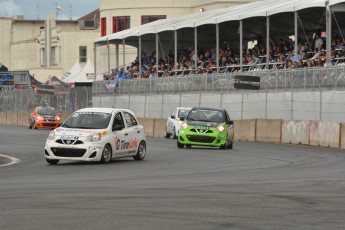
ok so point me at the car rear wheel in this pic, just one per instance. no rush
(174, 133)
(179, 145)
(52, 162)
(141, 153)
(35, 127)
(167, 135)
(106, 154)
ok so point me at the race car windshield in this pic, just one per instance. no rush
(88, 120)
(47, 111)
(206, 116)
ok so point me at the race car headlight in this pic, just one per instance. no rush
(40, 118)
(220, 128)
(57, 118)
(94, 137)
(184, 125)
(51, 135)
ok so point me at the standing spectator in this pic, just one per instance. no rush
(318, 42)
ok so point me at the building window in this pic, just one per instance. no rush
(121, 23)
(82, 54)
(43, 57)
(53, 56)
(103, 27)
(152, 18)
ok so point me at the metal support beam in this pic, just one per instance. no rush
(241, 44)
(139, 55)
(217, 46)
(108, 47)
(157, 54)
(267, 42)
(196, 48)
(117, 56)
(296, 36)
(328, 33)
(175, 46)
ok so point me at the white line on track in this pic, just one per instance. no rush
(12, 160)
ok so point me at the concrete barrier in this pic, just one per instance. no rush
(159, 127)
(268, 130)
(315, 133)
(245, 130)
(295, 132)
(325, 134)
(342, 136)
(23, 119)
(148, 124)
(12, 118)
(3, 118)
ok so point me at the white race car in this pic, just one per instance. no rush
(174, 121)
(97, 134)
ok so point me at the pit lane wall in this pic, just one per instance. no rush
(313, 133)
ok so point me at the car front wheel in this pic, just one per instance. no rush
(179, 145)
(141, 153)
(106, 154)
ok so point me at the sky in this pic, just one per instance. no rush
(39, 9)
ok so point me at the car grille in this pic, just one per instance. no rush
(49, 124)
(201, 130)
(204, 139)
(63, 152)
(69, 142)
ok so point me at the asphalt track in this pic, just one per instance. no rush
(253, 186)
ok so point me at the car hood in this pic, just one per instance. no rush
(203, 123)
(77, 132)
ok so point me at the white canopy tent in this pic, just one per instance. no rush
(262, 18)
(85, 75)
(72, 72)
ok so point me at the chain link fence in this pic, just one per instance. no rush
(17, 96)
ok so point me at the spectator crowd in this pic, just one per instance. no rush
(311, 52)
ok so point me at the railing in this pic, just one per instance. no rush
(288, 79)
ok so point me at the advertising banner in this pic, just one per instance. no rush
(247, 82)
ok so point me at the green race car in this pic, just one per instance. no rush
(205, 126)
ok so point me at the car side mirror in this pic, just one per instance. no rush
(117, 128)
(172, 117)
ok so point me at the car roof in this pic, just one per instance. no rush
(103, 110)
(208, 108)
(184, 108)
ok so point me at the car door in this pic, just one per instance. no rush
(120, 135)
(134, 132)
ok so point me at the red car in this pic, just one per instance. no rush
(44, 117)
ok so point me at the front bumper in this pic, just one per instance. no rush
(47, 124)
(90, 151)
(213, 138)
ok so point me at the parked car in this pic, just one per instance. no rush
(205, 126)
(174, 121)
(97, 134)
(44, 117)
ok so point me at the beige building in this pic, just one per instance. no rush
(47, 47)
(51, 47)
